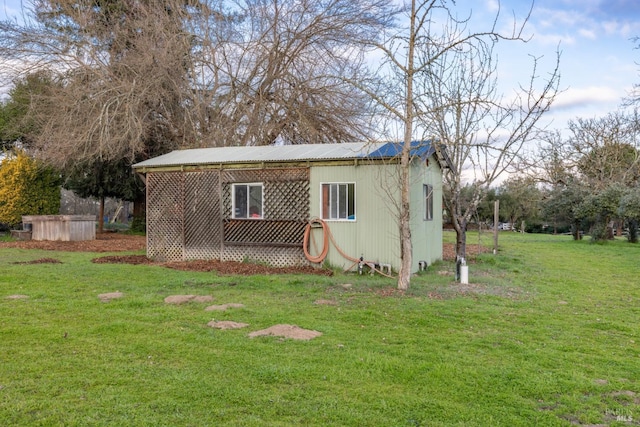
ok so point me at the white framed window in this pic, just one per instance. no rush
(427, 191)
(338, 201)
(247, 200)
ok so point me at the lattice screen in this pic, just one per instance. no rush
(189, 216)
(164, 216)
(202, 221)
(275, 256)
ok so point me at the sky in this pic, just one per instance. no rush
(599, 62)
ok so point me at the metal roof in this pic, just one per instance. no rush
(284, 153)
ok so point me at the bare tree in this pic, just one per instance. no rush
(439, 83)
(120, 71)
(134, 79)
(276, 73)
(145, 77)
(482, 132)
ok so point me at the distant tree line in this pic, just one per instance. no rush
(585, 181)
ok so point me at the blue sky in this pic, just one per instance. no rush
(599, 60)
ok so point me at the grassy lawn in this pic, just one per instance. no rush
(547, 334)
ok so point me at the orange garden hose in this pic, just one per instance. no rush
(326, 237)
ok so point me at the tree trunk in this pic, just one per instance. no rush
(633, 231)
(139, 222)
(101, 216)
(576, 231)
(406, 249)
(139, 207)
(461, 240)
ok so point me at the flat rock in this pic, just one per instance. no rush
(286, 331)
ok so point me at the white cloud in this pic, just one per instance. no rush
(588, 34)
(590, 96)
(492, 5)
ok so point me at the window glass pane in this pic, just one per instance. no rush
(325, 201)
(338, 201)
(255, 201)
(334, 201)
(342, 201)
(351, 210)
(428, 198)
(240, 201)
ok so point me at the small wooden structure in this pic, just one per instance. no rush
(61, 227)
(237, 203)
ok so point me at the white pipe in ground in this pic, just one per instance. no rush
(464, 274)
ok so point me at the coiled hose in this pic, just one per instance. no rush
(326, 237)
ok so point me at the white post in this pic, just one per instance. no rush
(464, 274)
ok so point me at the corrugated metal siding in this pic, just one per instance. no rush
(374, 233)
(426, 236)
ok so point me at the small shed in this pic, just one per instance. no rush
(256, 203)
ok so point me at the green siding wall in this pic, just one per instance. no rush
(426, 236)
(374, 233)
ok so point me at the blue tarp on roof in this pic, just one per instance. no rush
(422, 149)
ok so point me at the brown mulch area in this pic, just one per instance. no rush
(104, 242)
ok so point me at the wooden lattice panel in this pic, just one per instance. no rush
(165, 216)
(275, 256)
(287, 200)
(264, 232)
(202, 215)
(264, 175)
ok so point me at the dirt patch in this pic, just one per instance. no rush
(223, 307)
(17, 297)
(227, 324)
(181, 299)
(449, 251)
(123, 259)
(40, 261)
(110, 295)
(104, 242)
(389, 292)
(286, 331)
(118, 242)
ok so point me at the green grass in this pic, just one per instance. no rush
(547, 334)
